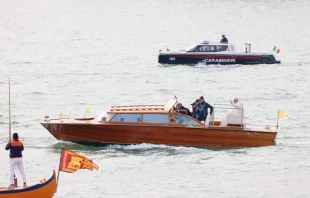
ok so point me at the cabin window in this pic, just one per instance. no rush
(205, 48)
(197, 49)
(127, 118)
(185, 120)
(211, 48)
(221, 48)
(156, 118)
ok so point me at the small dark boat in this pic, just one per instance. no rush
(216, 53)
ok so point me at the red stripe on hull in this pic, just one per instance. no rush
(218, 57)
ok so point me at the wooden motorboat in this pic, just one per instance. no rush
(45, 189)
(158, 124)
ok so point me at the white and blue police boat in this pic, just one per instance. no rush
(216, 53)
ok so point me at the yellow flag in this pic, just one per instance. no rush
(281, 114)
(60, 115)
(87, 111)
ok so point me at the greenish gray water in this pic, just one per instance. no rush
(66, 56)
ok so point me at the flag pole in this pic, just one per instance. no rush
(278, 118)
(10, 121)
(59, 169)
(10, 125)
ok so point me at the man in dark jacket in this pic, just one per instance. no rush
(183, 110)
(206, 106)
(194, 111)
(224, 39)
(16, 147)
(198, 110)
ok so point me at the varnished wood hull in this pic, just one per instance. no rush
(45, 189)
(159, 134)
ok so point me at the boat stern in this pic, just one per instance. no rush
(270, 59)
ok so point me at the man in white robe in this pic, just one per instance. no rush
(237, 110)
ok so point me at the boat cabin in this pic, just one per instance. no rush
(160, 114)
(213, 47)
(147, 114)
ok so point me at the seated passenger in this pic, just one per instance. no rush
(236, 111)
(183, 110)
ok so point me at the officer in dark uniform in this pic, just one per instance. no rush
(224, 39)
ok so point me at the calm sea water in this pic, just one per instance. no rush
(66, 56)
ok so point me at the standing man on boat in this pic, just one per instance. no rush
(16, 147)
(198, 110)
(224, 39)
(206, 106)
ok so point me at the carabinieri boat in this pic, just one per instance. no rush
(216, 53)
(159, 124)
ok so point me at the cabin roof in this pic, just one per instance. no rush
(138, 108)
(143, 108)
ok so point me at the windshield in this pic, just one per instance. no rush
(190, 48)
(181, 119)
(171, 104)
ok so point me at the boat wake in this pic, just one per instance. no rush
(143, 146)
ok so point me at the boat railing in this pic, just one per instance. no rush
(247, 47)
(227, 107)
